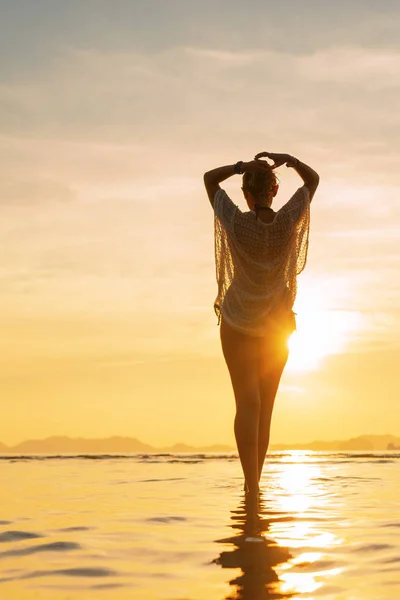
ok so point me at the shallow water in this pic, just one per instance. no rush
(174, 527)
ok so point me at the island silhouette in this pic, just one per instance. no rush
(127, 445)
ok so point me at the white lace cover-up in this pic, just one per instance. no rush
(257, 263)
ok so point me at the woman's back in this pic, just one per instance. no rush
(257, 260)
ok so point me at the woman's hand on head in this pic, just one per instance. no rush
(255, 166)
(279, 159)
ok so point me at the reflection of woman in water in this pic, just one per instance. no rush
(258, 255)
(257, 557)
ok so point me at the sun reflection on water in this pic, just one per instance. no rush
(299, 492)
(287, 551)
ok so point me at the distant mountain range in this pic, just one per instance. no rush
(362, 442)
(126, 445)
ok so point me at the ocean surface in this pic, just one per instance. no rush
(175, 527)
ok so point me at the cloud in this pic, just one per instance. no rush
(190, 95)
(231, 58)
(33, 191)
(372, 68)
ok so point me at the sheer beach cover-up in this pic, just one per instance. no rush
(257, 263)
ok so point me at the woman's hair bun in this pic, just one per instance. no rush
(260, 183)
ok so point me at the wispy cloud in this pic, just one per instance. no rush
(372, 68)
(333, 97)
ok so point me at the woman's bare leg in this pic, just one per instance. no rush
(246, 434)
(274, 355)
(241, 353)
(269, 388)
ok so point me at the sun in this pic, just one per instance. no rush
(322, 329)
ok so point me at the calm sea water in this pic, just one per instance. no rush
(175, 527)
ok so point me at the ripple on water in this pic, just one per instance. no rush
(165, 519)
(168, 479)
(51, 547)
(77, 528)
(395, 559)
(14, 536)
(70, 572)
(372, 548)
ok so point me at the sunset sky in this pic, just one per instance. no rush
(110, 112)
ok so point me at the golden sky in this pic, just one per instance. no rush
(110, 114)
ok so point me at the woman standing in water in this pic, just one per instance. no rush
(258, 254)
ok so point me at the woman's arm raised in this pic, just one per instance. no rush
(213, 178)
(308, 175)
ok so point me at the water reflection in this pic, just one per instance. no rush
(255, 554)
(284, 551)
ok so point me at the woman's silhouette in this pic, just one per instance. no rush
(259, 254)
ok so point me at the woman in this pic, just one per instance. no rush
(258, 255)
